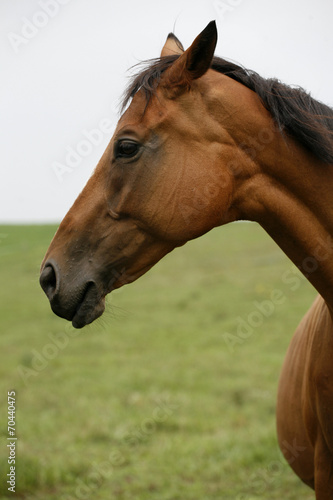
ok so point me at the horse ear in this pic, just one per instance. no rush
(194, 62)
(172, 46)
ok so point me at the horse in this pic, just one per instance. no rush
(202, 142)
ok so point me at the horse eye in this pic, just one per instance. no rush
(126, 148)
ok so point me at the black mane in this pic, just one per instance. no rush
(294, 110)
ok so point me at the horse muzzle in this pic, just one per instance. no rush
(79, 301)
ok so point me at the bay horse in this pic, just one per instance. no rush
(203, 142)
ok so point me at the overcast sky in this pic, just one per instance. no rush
(64, 67)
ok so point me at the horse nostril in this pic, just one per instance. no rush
(48, 280)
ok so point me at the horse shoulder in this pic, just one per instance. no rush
(305, 395)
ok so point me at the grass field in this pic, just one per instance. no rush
(171, 394)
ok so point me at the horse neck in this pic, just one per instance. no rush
(301, 224)
(288, 191)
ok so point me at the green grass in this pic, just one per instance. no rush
(164, 397)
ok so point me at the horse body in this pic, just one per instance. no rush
(196, 149)
(305, 401)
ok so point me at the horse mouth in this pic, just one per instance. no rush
(90, 307)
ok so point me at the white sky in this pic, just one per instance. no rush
(61, 79)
